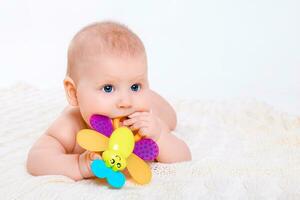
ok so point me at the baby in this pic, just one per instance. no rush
(106, 75)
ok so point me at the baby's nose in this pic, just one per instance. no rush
(124, 103)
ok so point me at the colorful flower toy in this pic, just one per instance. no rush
(117, 155)
(145, 148)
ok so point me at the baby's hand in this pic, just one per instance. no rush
(85, 160)
(147, 123)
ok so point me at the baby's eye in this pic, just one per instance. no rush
(119, 165)
(108, 88)
(136, 87)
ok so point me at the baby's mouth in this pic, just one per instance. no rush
(123, 117)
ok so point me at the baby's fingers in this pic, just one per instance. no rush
(144, 132)
(84, 162)
(138, 125)
(94, 156)
(136, 114)
(129, 122)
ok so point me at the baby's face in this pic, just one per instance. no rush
(113, 86)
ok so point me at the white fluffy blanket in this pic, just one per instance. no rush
(242, 149)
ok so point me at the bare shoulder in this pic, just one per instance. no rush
(158, 99)
(66, 126)
(161, 107)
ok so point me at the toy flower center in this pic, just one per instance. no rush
(114, 160)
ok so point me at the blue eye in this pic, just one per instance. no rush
(136, 87)
(108, 88)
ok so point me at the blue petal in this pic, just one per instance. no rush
(116, 179)
(99, 169)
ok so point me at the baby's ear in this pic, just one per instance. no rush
(70, 89)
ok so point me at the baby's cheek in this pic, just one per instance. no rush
(102, 106)
(143, 103)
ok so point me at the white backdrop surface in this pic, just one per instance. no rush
(196, 49)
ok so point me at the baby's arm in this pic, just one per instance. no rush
(171, 148)
(52, 153)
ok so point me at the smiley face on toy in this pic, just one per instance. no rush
(114, 160)
(120, 146)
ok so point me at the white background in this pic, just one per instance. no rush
(196, 49)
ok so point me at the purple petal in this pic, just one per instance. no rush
(102, 124)
(146, 149)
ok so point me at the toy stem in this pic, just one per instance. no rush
(137, 137)
(116, 124)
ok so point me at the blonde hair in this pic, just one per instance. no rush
(103, 38)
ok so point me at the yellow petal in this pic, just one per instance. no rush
(92, 140)
(139, 169)
(122, 141)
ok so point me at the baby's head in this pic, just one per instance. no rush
(107, 71)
